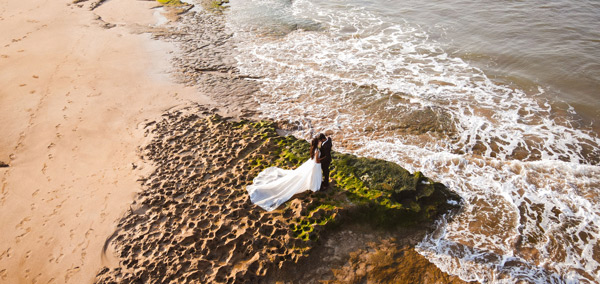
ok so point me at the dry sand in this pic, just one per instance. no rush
(75, 90)
(80, 85)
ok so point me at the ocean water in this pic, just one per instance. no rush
(497, 99)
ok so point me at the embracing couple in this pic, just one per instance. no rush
(274, 186)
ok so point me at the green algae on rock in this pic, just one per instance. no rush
(217, 6)
(367, 190)
(377, 191)
(388, 194)
(171, 2)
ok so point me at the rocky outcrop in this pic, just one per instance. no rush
(194, 222)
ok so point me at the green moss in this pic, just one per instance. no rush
(387, 194)
(172, 2)
(216, 5)
(367, 190)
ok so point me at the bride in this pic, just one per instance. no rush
(274, 186)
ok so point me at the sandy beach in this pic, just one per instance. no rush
(74, 92)
(116, 166)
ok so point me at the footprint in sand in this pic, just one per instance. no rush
(23, 222)
(49, 241)
(56, 259)
(21, 236)
(6, 253)
(71, 272)
(35, 279)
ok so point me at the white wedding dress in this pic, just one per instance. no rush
(274, 186)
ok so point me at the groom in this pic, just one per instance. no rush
(325, 158)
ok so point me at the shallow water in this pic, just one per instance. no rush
(497, 100)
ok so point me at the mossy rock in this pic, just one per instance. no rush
(204, 164)
(368, 190)
(172, 2)
(215, 5)
(388, 181)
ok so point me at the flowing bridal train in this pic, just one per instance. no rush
(274, 186)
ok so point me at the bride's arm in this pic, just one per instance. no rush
(317, 158)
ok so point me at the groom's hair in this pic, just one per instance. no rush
(321, 136)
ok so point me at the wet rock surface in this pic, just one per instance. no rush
(206, 59)
(427, 120)
(389, 262)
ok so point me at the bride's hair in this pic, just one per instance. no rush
(314, 144)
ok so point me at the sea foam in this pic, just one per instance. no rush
(528, 174)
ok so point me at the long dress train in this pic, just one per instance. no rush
(274, 186)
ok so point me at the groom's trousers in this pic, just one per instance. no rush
(325, 168)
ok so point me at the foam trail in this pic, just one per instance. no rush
(529, 176)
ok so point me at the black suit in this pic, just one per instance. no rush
(326, 160)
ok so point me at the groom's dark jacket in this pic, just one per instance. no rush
(326, 151)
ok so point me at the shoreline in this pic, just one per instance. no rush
(76, 137)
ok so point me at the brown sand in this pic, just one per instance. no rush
(75, 87)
